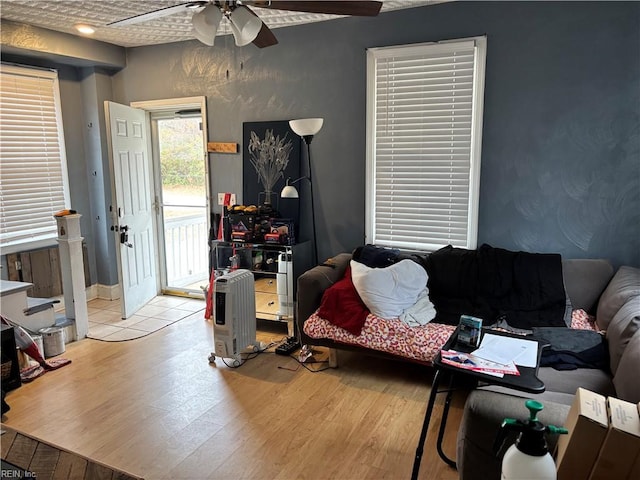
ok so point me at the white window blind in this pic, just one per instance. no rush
(33, 175)
(424, 136)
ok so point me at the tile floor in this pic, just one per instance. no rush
(105, 322)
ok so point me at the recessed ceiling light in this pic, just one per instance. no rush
(86, 29)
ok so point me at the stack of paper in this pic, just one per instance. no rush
(477, 364)
(507, 350)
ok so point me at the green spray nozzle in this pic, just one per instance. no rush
(556, 430)
(531, 439)
(534, 407)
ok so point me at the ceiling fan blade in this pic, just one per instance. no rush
(357, 8)
(265, 37)
(162, 12)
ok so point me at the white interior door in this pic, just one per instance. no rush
(132, 211)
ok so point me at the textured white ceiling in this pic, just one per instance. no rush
(62, 15)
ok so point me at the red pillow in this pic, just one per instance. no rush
(341, 305)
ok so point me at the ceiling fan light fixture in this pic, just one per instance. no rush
(205, 24)
(84, 28)
(245, 26)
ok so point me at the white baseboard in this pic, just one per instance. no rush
(92, 292)
(109, 292)
(106, 292)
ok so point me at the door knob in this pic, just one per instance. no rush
(124, 236)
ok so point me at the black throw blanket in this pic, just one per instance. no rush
(525, 289)
(569, 349)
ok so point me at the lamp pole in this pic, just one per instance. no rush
(307, 140)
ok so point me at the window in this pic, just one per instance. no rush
(424, 132)
(33, 172)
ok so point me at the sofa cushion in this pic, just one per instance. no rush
(388, 291)
(584, 281)
(626, 378)
(561, 386)
(313, 283)
(623, 326)
(624, 285)
(568, 381)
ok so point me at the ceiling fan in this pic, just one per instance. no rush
(245, 25)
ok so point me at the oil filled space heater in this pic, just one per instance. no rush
(234, 319)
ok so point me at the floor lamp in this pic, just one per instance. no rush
(306, 128)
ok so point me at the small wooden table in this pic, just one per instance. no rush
(527, 381)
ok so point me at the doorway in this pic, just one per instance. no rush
(178, 152)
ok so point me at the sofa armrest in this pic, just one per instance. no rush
(312, 284)
(480, 425)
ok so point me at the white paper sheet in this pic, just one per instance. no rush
(505, 350)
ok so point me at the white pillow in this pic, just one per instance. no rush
(389, 291)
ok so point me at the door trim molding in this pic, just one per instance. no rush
(178, 104)
(175, 104)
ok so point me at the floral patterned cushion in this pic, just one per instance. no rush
(396, 337)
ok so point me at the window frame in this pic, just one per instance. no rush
(475, 144)
(48, 234)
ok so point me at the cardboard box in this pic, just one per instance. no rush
(635, 470)
(587, 423)
(621, 445)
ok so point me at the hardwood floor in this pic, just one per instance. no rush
(156, 408)
(26, 456)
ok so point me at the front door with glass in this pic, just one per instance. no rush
(182, 201)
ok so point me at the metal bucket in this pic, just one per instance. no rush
(53, 339)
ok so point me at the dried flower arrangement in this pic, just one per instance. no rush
(269, 157)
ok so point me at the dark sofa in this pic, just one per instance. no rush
(479, 288)
(616, 305)
(590, 285)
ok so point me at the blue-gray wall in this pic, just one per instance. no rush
(561, 139)
(560, 156)
(561, 144)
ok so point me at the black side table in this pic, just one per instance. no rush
(10, 367)
(527, 381)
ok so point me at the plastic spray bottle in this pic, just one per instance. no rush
(529, 457)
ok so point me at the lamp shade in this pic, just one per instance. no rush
(289, 191)
(306, 126)
(245, 26)
(205, 24)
